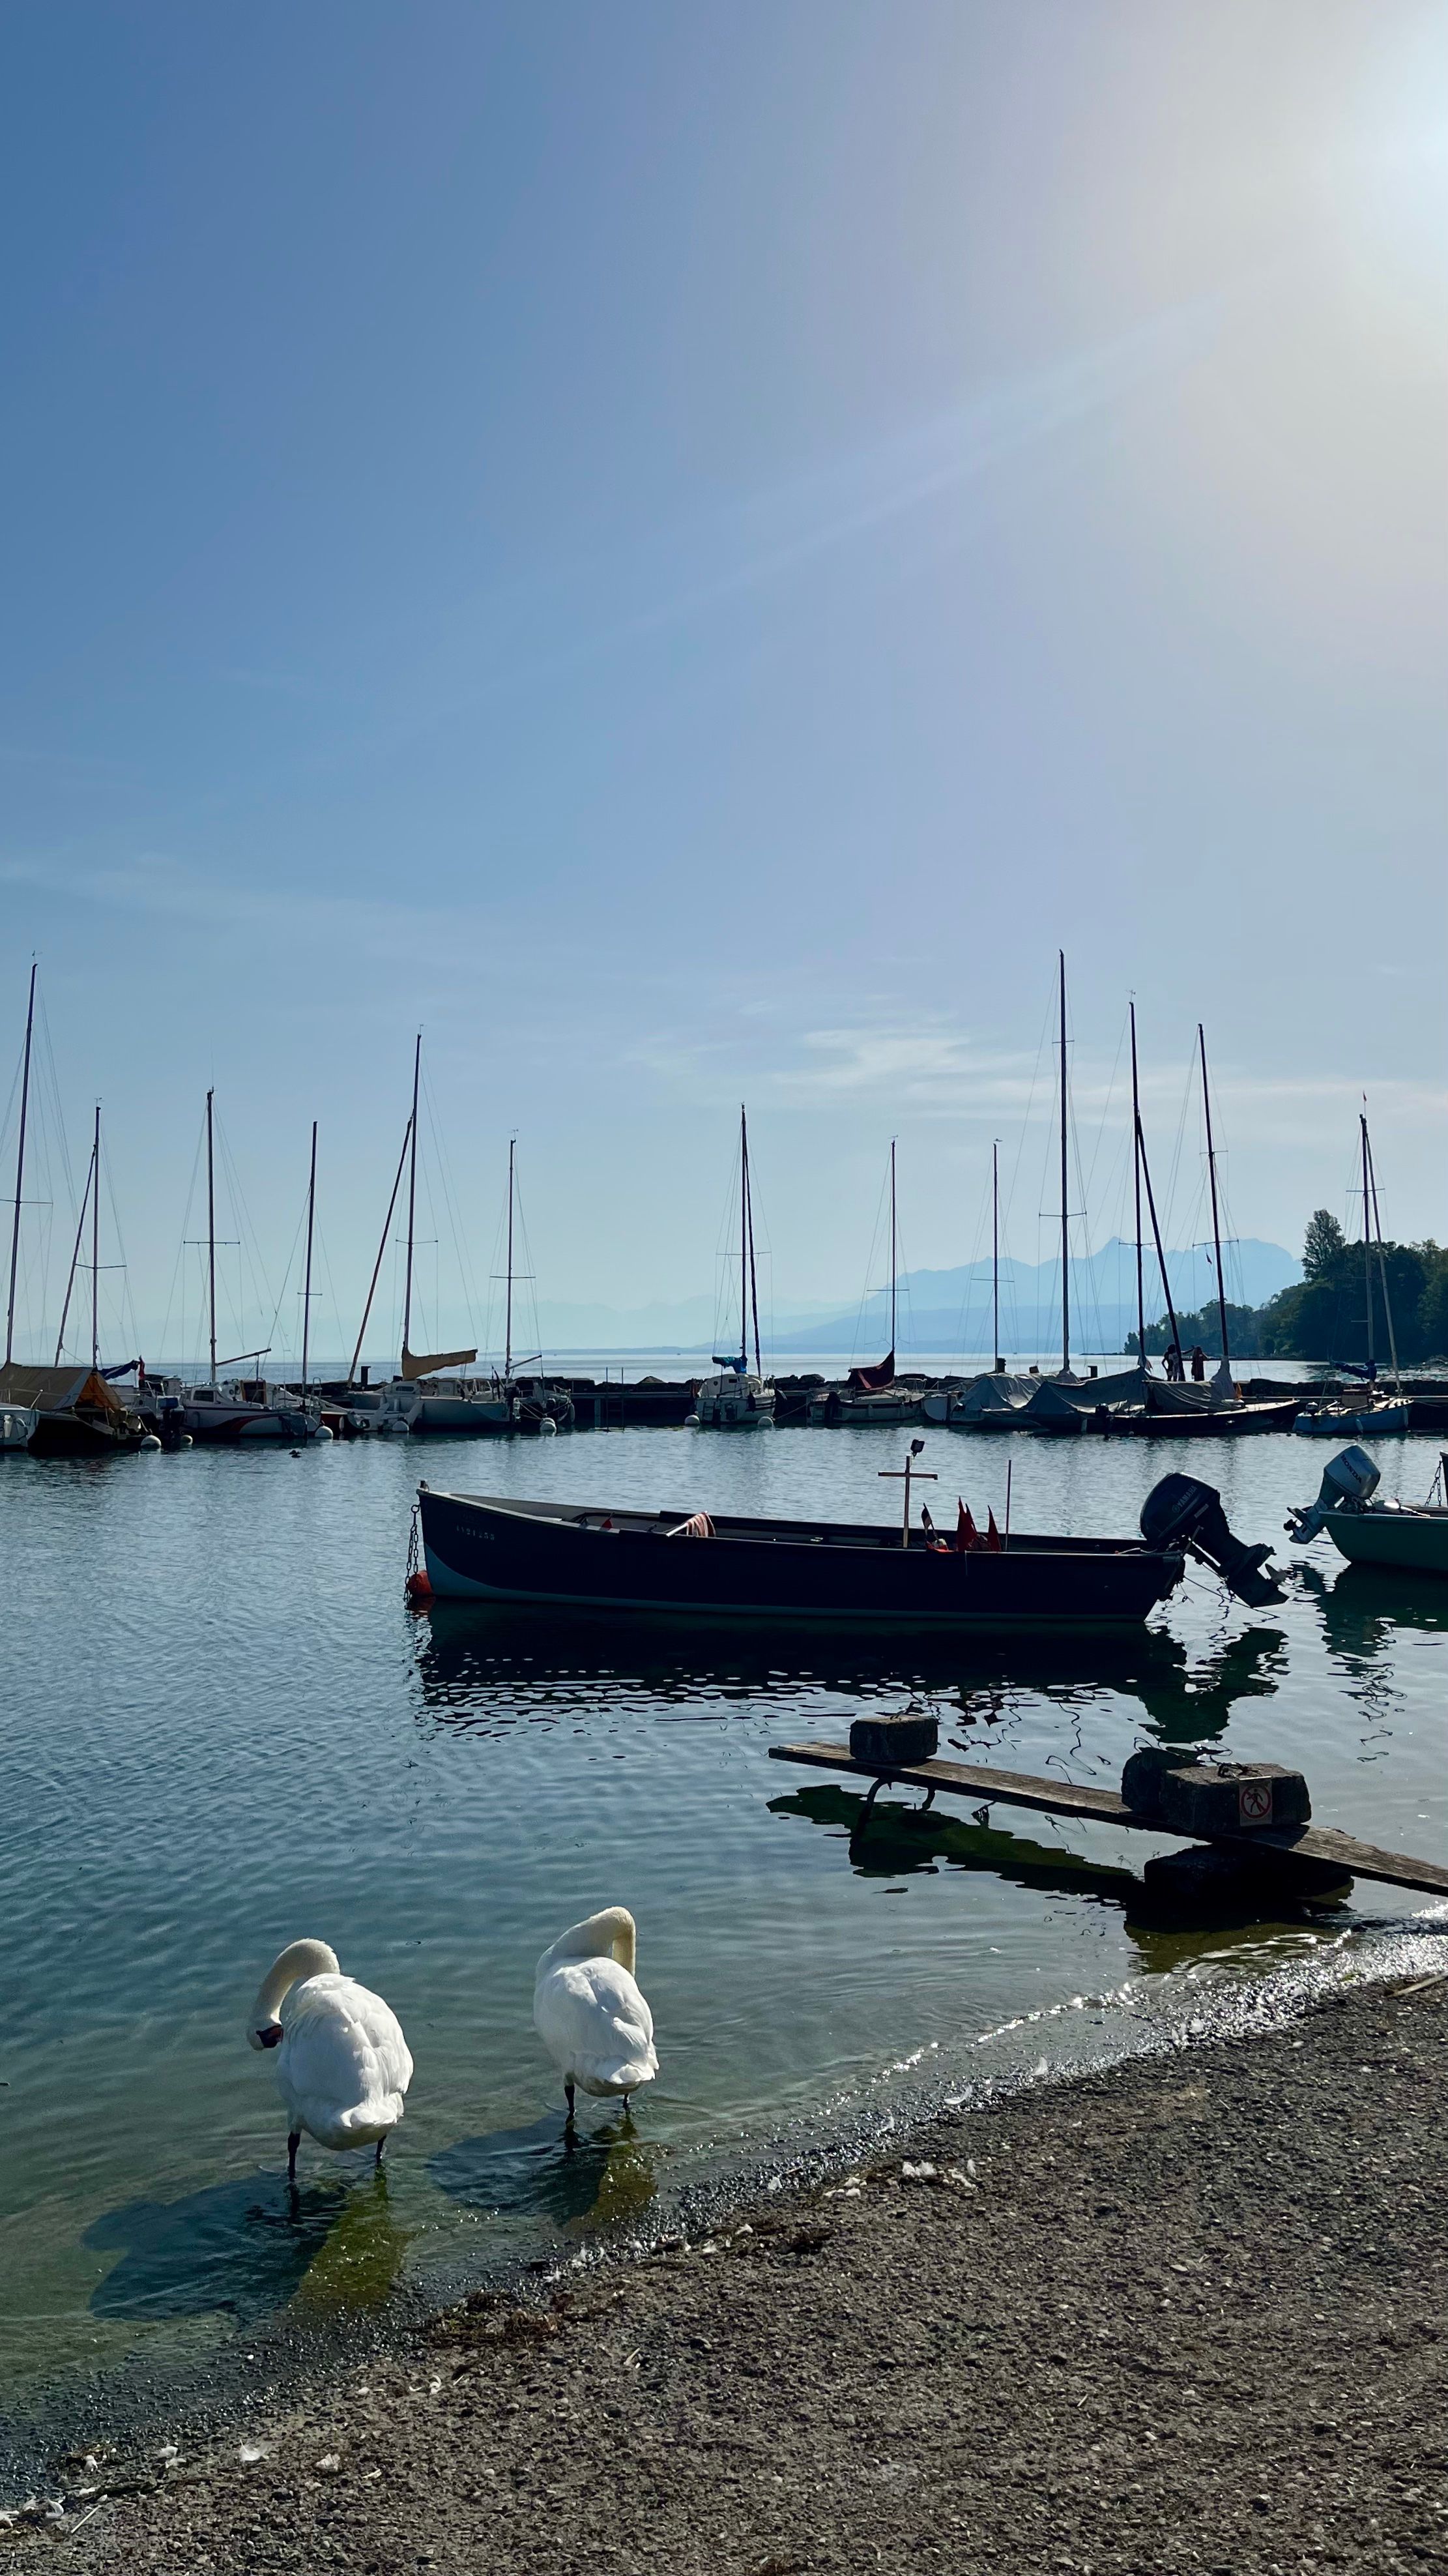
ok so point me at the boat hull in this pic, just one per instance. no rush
(481, 1547)
(1415, 1542)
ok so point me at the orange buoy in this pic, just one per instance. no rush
(418, 1586)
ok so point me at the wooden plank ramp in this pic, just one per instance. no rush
(1105, 1807)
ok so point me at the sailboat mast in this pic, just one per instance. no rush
(1212, 1175)
(753, 1274)
(1136, 1174)
(508, 1308)
(211, 1232)
(96, 1243)
(1065, 1203)
(1382, 1263)
(995, 1250)
(381, 1248)
(743, 1239)
(20, 1173)
(75, 1257)
(894, 1255)
(1367, 1238)
(411, 1201)
(307, 1290)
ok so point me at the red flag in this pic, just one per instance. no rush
(967, 1535)
(992, 1536)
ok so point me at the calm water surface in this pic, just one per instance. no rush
(223, 1728)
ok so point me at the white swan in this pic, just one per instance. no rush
(342, 2062)
(589, 2013)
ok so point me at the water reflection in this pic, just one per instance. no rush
(577, 2177)
(1364, 1608)
(888, 1840)
(488, 1668)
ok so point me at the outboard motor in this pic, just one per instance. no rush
(1347, 1480)
(1182, 1513)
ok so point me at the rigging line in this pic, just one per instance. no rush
(249, 1247)
(288, 1346)
(880, 1226)
(181, 1251)
(466, 1278)
(1179, 1149)
(1016, 1170)
(49, 1074)
(1086, 1181)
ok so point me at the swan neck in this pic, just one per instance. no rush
(606, 1935)
(298, 1960)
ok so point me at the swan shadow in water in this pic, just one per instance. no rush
(579, 2178)
(241, 2248)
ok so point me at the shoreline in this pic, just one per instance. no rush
(1178, 2312)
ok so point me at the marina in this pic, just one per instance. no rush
(495, 1760)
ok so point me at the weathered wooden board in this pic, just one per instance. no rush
(1104, 1807)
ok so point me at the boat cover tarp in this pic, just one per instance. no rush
(995, 1394)
(423, 1363)
(57, 1390)
(1124, 1386)
(1052, 1403)
(1202, 1396)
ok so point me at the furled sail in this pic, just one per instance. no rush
(423, 1363)
(873, 1381)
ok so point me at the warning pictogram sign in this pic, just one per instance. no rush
(1254, 1802)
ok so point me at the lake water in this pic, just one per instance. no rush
(223, 1728)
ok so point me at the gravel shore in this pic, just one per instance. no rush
(1188, 2314)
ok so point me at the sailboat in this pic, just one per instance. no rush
(873, 1393)
(735, 1400)
(222, 1410)
(1378, 1413)
(69, 1410)
(428, 1393)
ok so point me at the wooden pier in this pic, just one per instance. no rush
(1105, 1807)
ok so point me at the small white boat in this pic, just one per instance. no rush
(1365, 1421)
(17, 1422)
(735, 1400)
(1409, 1537)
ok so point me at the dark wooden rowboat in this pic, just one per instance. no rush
(490, 1547)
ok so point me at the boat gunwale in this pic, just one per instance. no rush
(585, 1520)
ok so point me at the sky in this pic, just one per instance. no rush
(685, 553)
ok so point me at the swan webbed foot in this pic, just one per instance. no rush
(293, 2142)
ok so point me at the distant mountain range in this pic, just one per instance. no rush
(950, 1310)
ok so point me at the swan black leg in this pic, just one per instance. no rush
(381, 2143)
(293, 2142)
(568, 2098)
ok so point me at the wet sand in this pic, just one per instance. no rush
(1188, 2314)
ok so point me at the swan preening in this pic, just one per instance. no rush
(589, 2013)
(342, 2062)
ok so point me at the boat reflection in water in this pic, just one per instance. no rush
(1364, 1609)
(486, 1667)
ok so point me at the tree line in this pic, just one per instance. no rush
(1324, 1316)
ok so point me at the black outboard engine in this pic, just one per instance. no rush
(1182, 1513)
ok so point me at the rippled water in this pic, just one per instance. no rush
(223, 1728)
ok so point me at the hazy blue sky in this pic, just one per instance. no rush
(686, 550)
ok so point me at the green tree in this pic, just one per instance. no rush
(1324, 1241)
